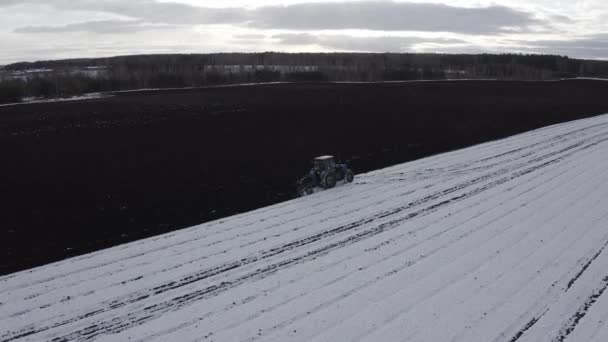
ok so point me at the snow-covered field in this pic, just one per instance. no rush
(504, 241)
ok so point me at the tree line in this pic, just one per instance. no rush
(195, 70)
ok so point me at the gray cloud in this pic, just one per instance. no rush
(101, 27)
(594, 46)
(7, 3)
(297, 39)
(133, 16)
(366, 44)
(586, 47)
(108, 49)
(392, 16)
(561, 18)
(252, 36)
(597, 41)
(146, 10)
(248, 40)
(370, 15)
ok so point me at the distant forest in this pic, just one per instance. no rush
(64, 78)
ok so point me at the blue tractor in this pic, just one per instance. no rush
(325, 174)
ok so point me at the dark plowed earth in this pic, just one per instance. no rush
(92, 174)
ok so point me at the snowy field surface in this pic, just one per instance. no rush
(503, 241)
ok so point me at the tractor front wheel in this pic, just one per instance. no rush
(330, 180)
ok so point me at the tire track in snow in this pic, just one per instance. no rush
(544, 306)
(542, 303)
(537, 318)
(582, 311)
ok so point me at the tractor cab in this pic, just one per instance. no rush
(324, 163)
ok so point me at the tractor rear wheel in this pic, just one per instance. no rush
(330, 180)
(350, 176)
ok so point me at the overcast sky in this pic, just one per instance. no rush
(51, 29)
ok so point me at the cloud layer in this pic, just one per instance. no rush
(366, 15)
(594, 45)
(367, 44)
(391, 16)
(99, 26)
(304, 25)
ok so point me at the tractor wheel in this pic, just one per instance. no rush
(330, 180)
(350, 176)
